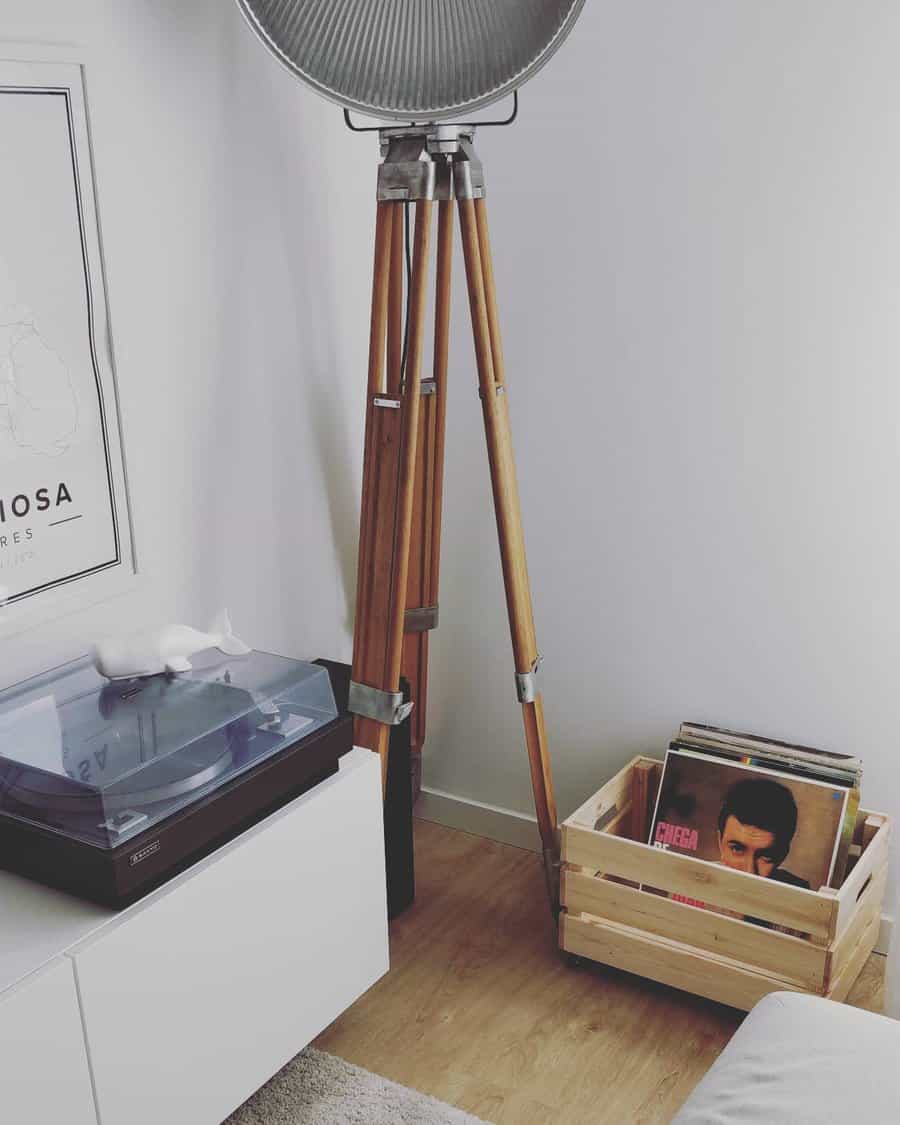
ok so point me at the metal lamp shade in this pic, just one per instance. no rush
(423, 59)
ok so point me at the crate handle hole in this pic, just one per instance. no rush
(863, 888)
(606, 817)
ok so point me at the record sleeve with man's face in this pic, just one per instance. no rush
(748, 818)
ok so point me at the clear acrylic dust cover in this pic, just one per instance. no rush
(103, 760)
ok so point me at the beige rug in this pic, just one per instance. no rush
(319, 1089)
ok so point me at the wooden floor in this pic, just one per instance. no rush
(479, 1010)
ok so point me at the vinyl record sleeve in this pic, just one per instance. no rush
(695, 790)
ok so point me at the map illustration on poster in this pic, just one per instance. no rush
(65, 532)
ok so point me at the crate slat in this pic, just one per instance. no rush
(797, 909)
(668, 962)
(869, 862)
(842, 984)
(784, 956)
(644, 787)
(616, 793)
(620, 825)
(871, 824)
(868, 908)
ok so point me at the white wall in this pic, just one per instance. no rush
(233, 206)
(697, 242)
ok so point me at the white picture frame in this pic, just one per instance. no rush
(66, 529)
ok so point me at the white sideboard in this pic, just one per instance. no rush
(44, 1074)
(179, 1007)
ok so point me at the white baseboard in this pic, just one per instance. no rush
(519, 829)
(491, 821)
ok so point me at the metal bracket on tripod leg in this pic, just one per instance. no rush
(468, 173)
(421, 619)
(499, 389)
(383, 706)
(527, 687)
(410, 171)
(418, 161)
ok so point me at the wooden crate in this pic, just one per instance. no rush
(608, 917)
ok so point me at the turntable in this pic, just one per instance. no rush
(107, 789)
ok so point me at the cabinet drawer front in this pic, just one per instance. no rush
(44, 1073)
(193, 1002)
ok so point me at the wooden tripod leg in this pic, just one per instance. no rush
(395, 307)
(492, 388)
(388, 482)
(425, 548)
(365, 574)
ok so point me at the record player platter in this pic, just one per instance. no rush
(164, 780)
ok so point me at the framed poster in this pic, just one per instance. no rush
(65, 527)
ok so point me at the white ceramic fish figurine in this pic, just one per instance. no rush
(163, 651)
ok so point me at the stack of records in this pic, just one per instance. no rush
(805, 761)
(776, 809)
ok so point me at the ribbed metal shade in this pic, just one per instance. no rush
(427, 59)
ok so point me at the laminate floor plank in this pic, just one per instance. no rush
(480, 1010)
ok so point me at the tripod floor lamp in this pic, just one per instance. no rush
(429, 65)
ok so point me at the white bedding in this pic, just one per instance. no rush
(800, 1059)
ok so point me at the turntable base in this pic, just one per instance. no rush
(117, 876)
